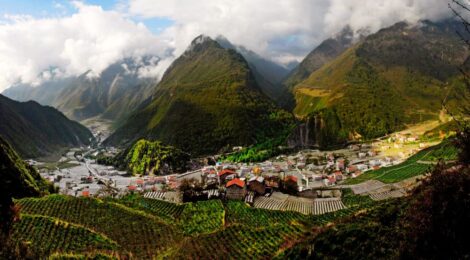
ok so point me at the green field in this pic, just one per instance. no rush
(47, 235)
(143, 228)
(417, 164)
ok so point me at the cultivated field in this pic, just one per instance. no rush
(144, 228)
(302, 205)
(410, 168)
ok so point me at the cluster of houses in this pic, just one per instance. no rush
(154, 183)
(303, 171)
(308, 170)
(238, 182)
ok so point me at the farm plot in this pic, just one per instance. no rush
(302, 205)
(45, 236)
(142, 234)
(350, 200)
(366, 187)
(158, 195)
(325, 205)
(202, 217)
(165, 210)
(170, 196)
(410, 168)
(240, 242)
(268, 203)
(392, 174)
(446, 151)
(238, 212)
(297, 204)
(387, 194)
(400, 174)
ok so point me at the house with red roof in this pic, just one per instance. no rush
(291, 178)
(86, 193)
(338, 175)
(331, 180)
(235, 189)
(223, 174)
(351, 169)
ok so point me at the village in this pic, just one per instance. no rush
(286, 182)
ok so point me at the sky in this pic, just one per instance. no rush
(65, 38)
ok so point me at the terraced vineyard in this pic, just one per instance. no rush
(446, 151)
(268, 203)
(241, 242)
(202, 217)
(301, 205)
(410, 168)
(353, 204)
(386, 195)
(171, 196)
(143, 228)
(165, 210)
(137, 232)
(48, 236)
(351, 200)
(239, 213)
(322, 206)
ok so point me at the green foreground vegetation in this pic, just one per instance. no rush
(145, 228)
(431, 223)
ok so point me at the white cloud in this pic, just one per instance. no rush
(92, 38)
(283, 29)
(89, 39)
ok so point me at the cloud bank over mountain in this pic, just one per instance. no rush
(282, 29)
(93, 38)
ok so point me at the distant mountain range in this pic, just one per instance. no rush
(116, 92)
(218, 94)
(34, 130)
(120, 89)
(208, 99)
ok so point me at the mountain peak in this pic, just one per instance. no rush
(201, 43)
(201, 39)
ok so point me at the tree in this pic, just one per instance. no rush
(461, 9)
(436, 222)
(290, 186)
(191, 189)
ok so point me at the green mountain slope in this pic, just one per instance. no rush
(35, 130)
(18, 179)
(324, 53)
(268, 74)
(398, 76)
(207, 100)
(327, 51)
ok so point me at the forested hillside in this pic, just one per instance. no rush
(208, 100)
(34, 130)
(398, 76)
